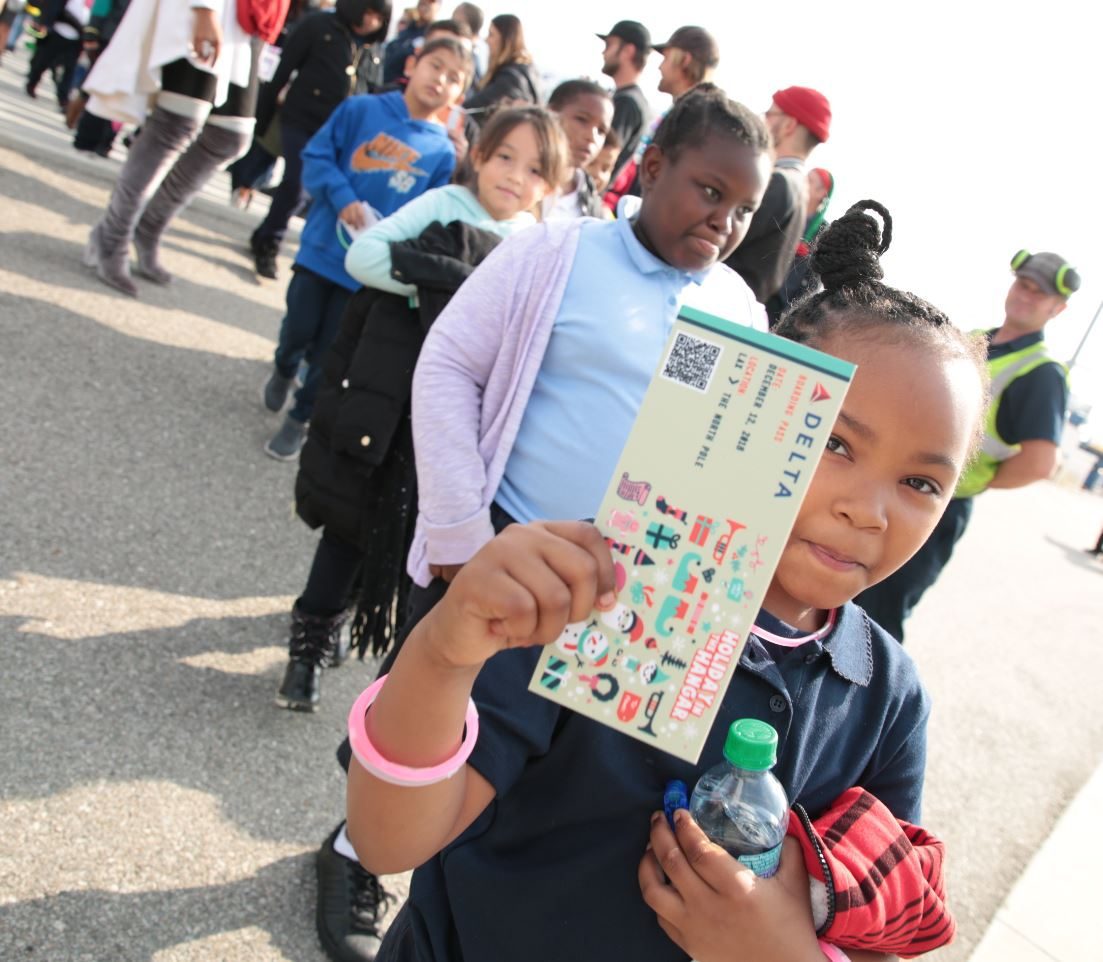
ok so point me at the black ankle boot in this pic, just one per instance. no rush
(317, 642)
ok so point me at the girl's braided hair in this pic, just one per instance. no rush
(847, 257)
(855, 300)
(703, 112)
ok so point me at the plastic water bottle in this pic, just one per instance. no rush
(739, 804)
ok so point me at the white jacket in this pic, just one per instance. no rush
(151, 34)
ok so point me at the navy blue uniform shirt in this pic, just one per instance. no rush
(548, 871)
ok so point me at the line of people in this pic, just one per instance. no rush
(470, 327)
(504, 436)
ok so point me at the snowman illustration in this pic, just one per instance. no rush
(625, 621)
(593, 647)
(583, 640)
(567, 642)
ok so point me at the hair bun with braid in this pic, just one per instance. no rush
(849, 252)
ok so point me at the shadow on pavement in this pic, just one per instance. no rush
(60, 264)
(127, 459)
(33, 190)
(136, 926)
(1079, 555)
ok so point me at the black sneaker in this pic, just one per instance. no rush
(351, 904)
(317, 642)
(264, 256)
(276, 389)
(288, 441)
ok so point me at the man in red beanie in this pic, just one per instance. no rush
(799, 119)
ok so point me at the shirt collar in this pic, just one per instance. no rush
(848, 645)
(1017, 344)
(789, 163)
(642, 259)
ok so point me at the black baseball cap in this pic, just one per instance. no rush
(630, 32)
(697, 42)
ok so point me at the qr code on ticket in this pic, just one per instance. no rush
(691, 362)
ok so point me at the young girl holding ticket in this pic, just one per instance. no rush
(536, 829)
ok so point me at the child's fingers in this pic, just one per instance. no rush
(576, 568)
(533, 580)
(551, 598)
(513, 613)
(599, 574)
(664, 900)
(680, 865)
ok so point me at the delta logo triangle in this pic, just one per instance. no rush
(819, 392)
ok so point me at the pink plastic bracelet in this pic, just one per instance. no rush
(833, 952)
(368, 755)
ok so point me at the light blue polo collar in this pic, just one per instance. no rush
(642, 259)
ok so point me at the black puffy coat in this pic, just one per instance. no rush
(324, 54)
(356, 471)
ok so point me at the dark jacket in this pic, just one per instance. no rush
(764, 256)
(53, 12)
(101, 25)
(367, 375)
(631, 117)
(589, 200)
(398, 49)
(325, 52)
(800, 280)
(356, 471)
(511, 81)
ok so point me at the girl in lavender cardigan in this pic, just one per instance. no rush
(601, 293)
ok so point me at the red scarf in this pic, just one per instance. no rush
(262, 18)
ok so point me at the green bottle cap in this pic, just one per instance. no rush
(751, 744)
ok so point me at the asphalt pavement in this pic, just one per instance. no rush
(154, 803)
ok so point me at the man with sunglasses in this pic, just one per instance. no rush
(1022, 431)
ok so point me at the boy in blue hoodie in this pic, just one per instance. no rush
(375, 153)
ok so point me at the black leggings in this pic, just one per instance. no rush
(332, 576)
(55, 53)
(184, 78)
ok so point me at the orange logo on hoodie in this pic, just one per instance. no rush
(383, 152)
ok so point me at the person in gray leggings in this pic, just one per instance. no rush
(169, 142)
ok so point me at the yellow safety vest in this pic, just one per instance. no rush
(982, 469)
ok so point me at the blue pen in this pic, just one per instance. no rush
(674, 798)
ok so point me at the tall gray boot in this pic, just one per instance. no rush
(213, 147)
(164, 134)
